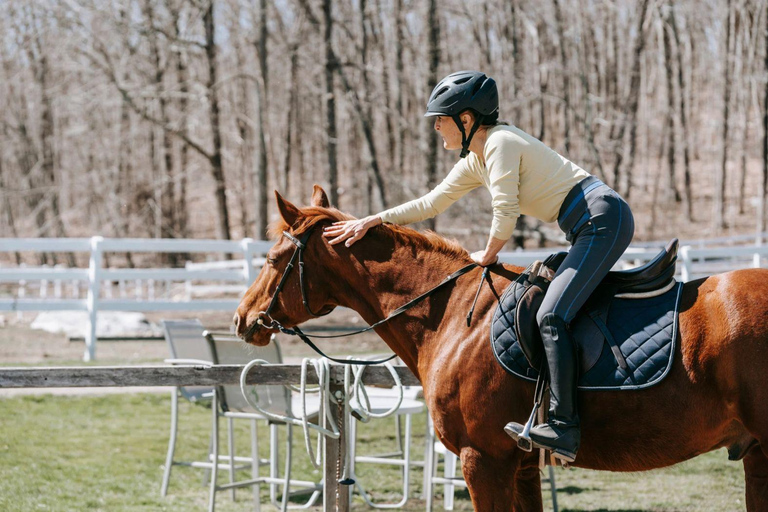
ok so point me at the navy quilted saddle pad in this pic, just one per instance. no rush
(645, 331)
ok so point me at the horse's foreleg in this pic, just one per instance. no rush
(756, 474)
(493, 482)
(528, 489)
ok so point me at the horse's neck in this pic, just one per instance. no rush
(377, 295)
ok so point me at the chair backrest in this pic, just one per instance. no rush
(228, 349)
(186, 340)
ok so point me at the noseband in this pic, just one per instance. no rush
(265, 318)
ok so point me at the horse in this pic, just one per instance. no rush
(715, 395)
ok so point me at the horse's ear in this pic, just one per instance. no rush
(287, 210)
(319, 197)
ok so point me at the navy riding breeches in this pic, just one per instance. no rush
(599, 225)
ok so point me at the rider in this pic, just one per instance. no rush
(523, 176)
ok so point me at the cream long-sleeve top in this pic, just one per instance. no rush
(522, 174)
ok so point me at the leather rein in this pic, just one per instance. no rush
(266, 320)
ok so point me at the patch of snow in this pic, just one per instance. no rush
(109, 323)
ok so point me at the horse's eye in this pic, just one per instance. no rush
(271, 261)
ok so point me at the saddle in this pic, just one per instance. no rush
(590, 329)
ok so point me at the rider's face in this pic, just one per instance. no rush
(448, 130)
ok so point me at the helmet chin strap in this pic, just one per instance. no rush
(466, 139)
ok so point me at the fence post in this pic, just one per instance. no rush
(248, 271)
(685, 271)
(335, 496)
(94, 281)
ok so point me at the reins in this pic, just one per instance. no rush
(305, 336)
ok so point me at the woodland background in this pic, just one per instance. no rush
(178, 118)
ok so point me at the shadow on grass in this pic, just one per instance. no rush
(572, 489)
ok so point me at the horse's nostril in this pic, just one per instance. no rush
(236, 320)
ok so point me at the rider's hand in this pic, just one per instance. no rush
(484, 258)
(350, 230)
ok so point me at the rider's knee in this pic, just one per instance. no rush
(549, 318)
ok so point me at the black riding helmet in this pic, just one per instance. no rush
(461, 91)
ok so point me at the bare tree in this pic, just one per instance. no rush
(764, 184)
(434, 64)
(683, 115)
(719, 216)
(629, 113)
(670, 117)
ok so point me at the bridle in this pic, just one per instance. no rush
(265, 318)
(297, 255)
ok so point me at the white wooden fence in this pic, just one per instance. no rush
(234, 276)
(96, 276)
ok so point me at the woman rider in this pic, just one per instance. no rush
(523, 176)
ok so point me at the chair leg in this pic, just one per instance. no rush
(399, 433)
(288, 455)
(429, 472)
(215, 454)
(449, 470)
(207, 471)
(171, 441)
(273, 461)
(406, 455)
(255, 465)
(231, 447)
(352, 433)
(553, 488)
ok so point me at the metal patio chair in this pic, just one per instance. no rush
(382, 400)
(229, 403)
(187, 346)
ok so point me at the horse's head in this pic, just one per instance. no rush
(278, 296)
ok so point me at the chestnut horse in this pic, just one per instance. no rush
(715, 395)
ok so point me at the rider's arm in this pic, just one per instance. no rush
(459, 182)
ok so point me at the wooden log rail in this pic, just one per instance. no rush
(184, 375)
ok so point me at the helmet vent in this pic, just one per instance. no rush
(477, 87)
(462, 80)
(442, 91)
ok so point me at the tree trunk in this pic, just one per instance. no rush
(217, 167)
(399, 114)
(683, 116)
(722, 175)
(434, 65)
(330, 104)
(630, 109)
(764, 184)
(47, 136)
(262, 91)
(541, 30)
(243, 120)
(290, 115)
(566, 77)
(670, 117)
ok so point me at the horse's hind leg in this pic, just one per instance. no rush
(756, 475)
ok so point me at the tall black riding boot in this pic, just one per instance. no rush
(561, 433)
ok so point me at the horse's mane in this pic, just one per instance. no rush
(427, 241)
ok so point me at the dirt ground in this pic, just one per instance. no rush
(21, 345)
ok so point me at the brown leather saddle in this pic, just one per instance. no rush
(589, 330)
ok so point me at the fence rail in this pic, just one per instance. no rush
(185, 375)
(205, 283)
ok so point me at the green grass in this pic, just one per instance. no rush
(63, 453)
